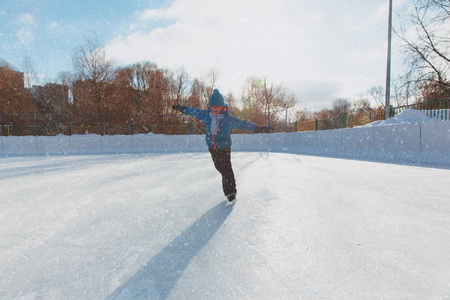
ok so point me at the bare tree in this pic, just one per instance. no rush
(180, 86)
(341, 107)
(51, 98)
(195, 97)
(160, 83)
(249, 96)
(362, 105)
(67, 79)
(426, 41)
(275, 97)
(303, 114)
(322, 114)
(138, 81)
(29, 73)
(260, 95)
(94, 68)
(432, 90)
(404, 89)
(231, 102)
(376, 94)
(152, 89)
(209, 83)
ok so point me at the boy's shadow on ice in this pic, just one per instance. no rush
(156, 279)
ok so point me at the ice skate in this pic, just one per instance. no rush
(231, 199)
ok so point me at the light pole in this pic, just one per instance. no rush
(388, 69)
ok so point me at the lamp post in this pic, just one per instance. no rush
(388, 69)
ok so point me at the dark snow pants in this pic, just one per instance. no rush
(222, 162)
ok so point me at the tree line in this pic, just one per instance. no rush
(96, 86)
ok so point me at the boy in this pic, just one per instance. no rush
(218, 123)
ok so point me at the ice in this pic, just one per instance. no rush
(144, 217)
(154, 226)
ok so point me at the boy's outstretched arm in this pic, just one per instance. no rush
(246, 125)
(191, 111)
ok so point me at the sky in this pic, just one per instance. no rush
(320, 50)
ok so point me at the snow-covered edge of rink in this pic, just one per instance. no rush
(417, 143)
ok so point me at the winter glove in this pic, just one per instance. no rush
(263, 129)
(179, 108)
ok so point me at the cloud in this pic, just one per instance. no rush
(26, 19)
(152, 14)
(380, 16)
(25, 36)
(27, 23)
(290, 41)
(53, 25)
(238, 37)
(317, 91)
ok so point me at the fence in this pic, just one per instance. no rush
(173, 124)
(435, 109)
(438, 108)
(364, 118)
(345, 121)
(48, 125)
(170, 124)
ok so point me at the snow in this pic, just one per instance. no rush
(99, 223)
(412, 116)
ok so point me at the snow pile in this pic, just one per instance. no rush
(412, 116)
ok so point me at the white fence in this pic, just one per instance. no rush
(413, 143)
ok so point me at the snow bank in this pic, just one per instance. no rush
(412, 116)
(409, 138)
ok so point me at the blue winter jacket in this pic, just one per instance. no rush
(222, 139)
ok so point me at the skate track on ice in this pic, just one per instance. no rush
(149, 226)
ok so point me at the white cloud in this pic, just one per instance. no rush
(53, 25)
(26, 19)
(27, 25)
(290, 41)
(381, 15)
(25, 36)
(239, 37)
(152, 14)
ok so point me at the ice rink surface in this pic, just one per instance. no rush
(154, 226)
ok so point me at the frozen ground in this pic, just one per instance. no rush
(149, 226)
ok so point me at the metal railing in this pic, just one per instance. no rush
(433, 109)
(170, 124)
(52, 124)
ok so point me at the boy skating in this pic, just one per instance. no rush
(218, 122)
